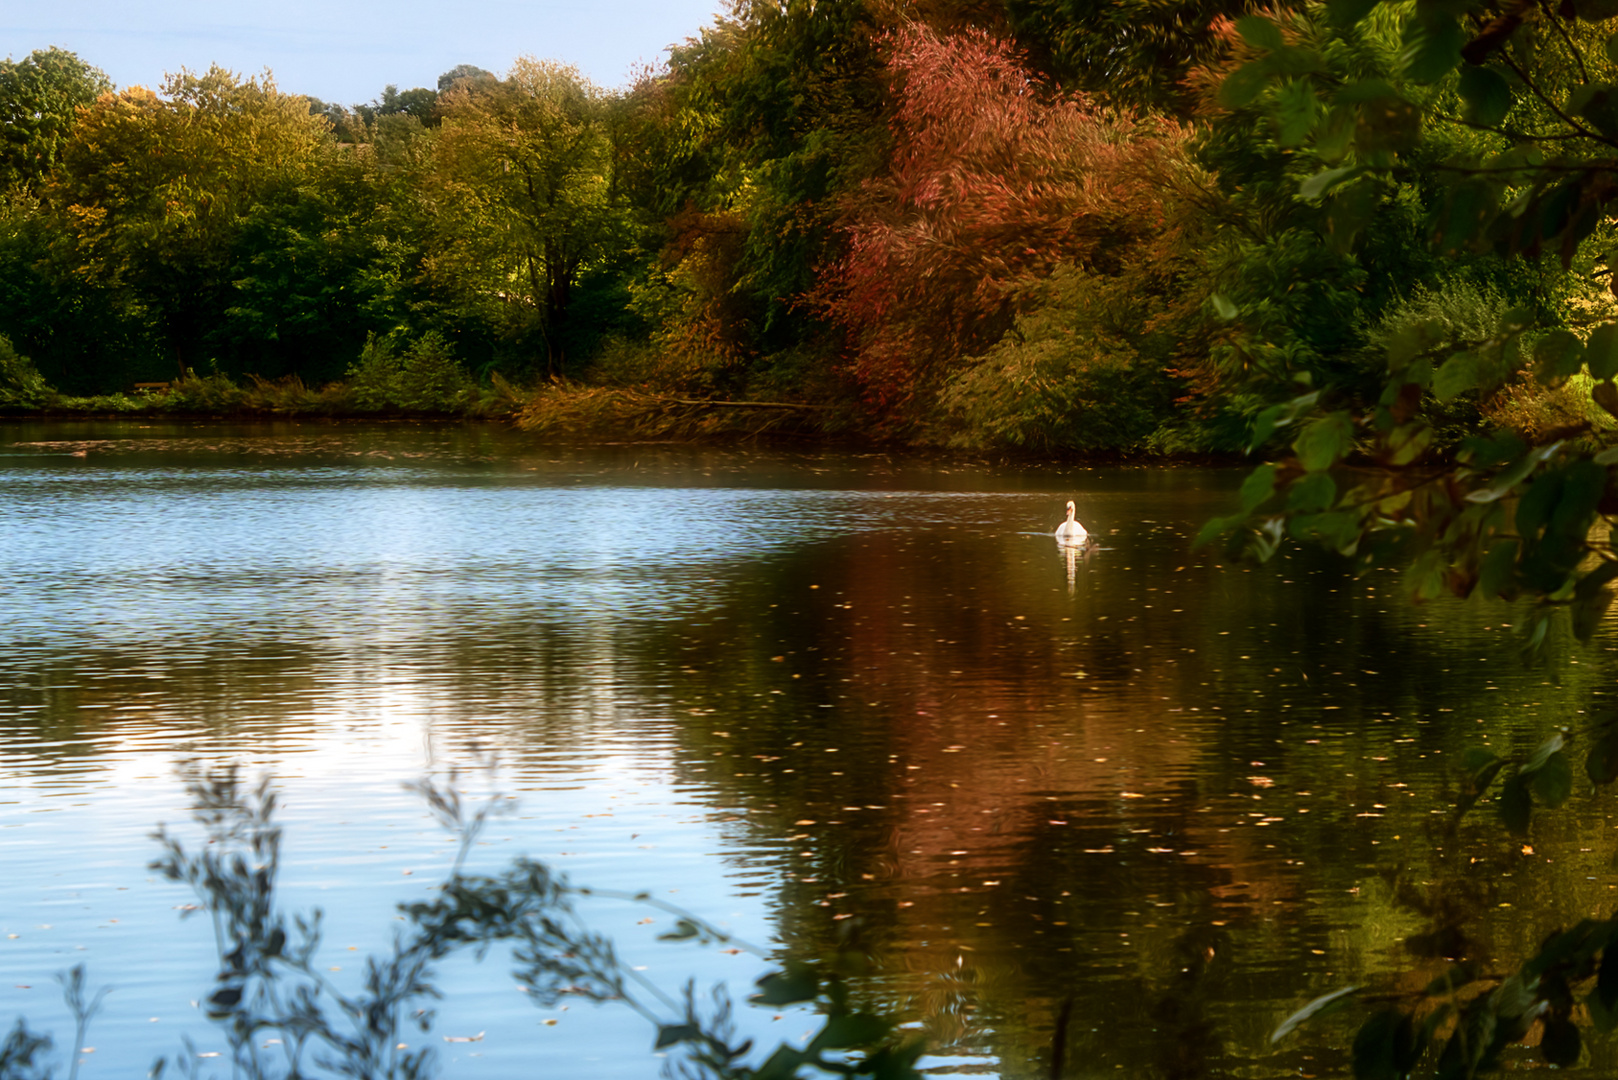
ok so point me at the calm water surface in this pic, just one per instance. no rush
(792, 693)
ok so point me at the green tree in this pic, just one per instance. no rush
(1504, 111)
(154, 190)
(40, 97)
(521, 202)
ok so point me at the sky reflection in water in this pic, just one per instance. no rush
(787, 691)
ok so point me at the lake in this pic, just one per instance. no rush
(821, 700)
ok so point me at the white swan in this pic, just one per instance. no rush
(1070, 531)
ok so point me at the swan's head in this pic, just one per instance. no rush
(1070, 508)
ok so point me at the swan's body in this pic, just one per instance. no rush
(1070, 531)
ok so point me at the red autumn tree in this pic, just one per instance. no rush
(995, 180)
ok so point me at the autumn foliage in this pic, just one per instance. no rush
(996, 179)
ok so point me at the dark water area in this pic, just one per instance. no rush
(794, 693)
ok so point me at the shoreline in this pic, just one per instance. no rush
(841, 441)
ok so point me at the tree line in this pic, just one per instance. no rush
(982, 223)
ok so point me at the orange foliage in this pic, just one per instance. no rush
(995, 178)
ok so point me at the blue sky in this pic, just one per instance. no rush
(345, 51)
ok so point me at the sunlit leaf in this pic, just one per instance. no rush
(1222, 305)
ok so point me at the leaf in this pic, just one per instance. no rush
(1345, 13)
(1559, 1043)
(782, 1064)
(1516, 805)
(1257, 488)
(1605, 395)
(1601, 766)
(1460, 373)
(1243, 86)
(1325, 442)
(670, 1034)
(1315, 492)
(797, 982)
(1480, 767)
(1259, 32)
(1553, 783)
(1295, 110)
(1601, 352)
(1385, 1047)
(1544, 752)
(1322, 182)
(1496, 574)
(1313, 1009)
(683, 930)
(1595, 10)
(1223, 307)
(1486, 95)
(850, 1031)
(1432, 47)
(1558, 356)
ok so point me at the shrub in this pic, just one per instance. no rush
(424, 377)
(21, 384)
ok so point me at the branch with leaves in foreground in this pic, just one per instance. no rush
(282, 1018)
